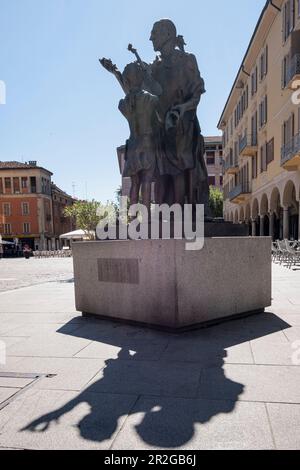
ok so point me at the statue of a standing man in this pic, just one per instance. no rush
(182, 166)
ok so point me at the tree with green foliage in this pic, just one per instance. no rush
(216, 202)
(87, 215)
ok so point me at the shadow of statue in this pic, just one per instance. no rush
(167, 400)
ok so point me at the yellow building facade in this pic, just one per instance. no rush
(261, 128)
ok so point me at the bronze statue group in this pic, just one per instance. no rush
(165, 146)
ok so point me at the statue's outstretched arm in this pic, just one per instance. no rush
(112, 68)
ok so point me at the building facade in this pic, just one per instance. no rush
(214, 161)
(61, 223)
(261, 128)
(27, 214)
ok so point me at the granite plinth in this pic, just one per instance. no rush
(159, 283)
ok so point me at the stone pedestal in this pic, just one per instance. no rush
(160, 284)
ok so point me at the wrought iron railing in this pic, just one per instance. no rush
(291, 149)
(231, 162)
(242, 188)
(249, 140)
(294, 68)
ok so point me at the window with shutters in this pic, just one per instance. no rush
(263, 64)
(263, 112)
(270, 151)
(254, 129)
(26, 228)
(285, 73)
(254, 77)
(25, 208)
(236, 153)
(288, 129)
(288, 19)
(7, 229)
(7, 183)
(6, 209)
(1, 186)
(263, 158)
(254, 167)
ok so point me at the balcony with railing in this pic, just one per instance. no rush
(239, 194)
(248, 145)
(290, 154)
(293, 72)
(231, 165)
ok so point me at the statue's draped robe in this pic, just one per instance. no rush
(181, 147)
(140, 110)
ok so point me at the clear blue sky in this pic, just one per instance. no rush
(62, 107)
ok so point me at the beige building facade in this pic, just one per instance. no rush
(261, 128)
(214, 159)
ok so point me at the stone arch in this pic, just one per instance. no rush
(248, 213)
(236, 217)
(289, 194)
(255, 209)
(275, 201)
(264, 205)
(242, 214)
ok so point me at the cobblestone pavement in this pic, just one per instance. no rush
(19, 272)
(110, 386)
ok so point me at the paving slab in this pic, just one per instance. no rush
(35, 299)
(160, 423)
(40, 329)
(251, 383)
(69, 373)
(138, 350)
(6, 393)
(48, 345)
(24, 318)
(5, 327)
(285, 423)
(14, 382)
(292, 334)
(18, 273)
(274, 353)
(206, 353)
(8, 341)
(11, 364)
(293, 319)
(274, 338)
(138, 377)
(42, 420)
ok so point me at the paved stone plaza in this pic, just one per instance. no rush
(232, 386)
